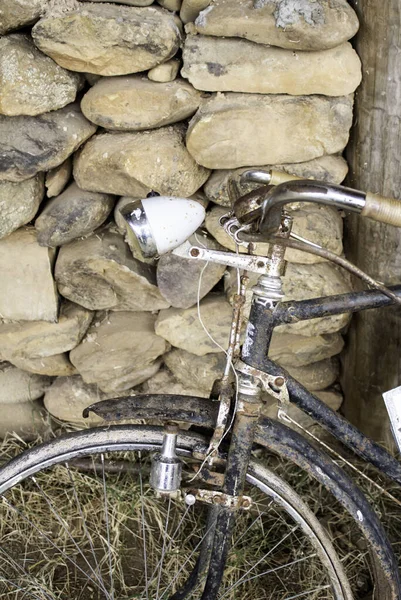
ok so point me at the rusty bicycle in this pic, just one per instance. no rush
(189, 502)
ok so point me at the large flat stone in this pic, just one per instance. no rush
(99, 272)
(135, 103)
(57, 365)
(182, 328)
(26, 419)
(107, 39)
(317, 376)
(67, 397)
(120, 351)
(32, 144)
(19, 203)
(31, 83)
(74, 214)
(298, 350)
(331, 168)
(164, 382)
(237, 130)
(173, 5)
(19, 13)
(19, 386)
(27, 291)
(233, 65)
(133, 164)
(198, 371)
(293, 24)
(321, 225)
(39, 339)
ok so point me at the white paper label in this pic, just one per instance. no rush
(392, 400)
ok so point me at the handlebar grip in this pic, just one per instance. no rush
(380, 208)
(277, 177)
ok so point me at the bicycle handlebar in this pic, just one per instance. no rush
(290, 188)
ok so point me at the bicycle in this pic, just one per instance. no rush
(202, 482)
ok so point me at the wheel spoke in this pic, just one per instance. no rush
(144, 531)
(171, 542)
(12, 584)
(268, 553)
(280, 568)
(87, 534)
(258, 518)
(163, 548)
(106, 513)
(172, 582)
(303, 594)
(22, 570)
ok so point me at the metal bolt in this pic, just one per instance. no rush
(194, 252)
(245, 503)
(279, 381)
(190, 499)
(217, 500)
(260, 264)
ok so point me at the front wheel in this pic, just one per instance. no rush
(79, 520)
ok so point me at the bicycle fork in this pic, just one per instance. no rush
(247, 415)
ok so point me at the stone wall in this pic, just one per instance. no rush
(104, 102)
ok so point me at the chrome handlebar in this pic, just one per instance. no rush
(289, 188)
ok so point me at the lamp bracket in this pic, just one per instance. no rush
(245, 262)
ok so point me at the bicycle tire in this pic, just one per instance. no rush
(141, 438)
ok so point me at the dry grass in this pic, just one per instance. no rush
(131, 504)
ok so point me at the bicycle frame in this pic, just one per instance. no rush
(248, 427)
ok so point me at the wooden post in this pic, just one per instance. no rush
(372, 362)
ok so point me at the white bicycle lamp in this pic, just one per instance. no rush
(159, 224)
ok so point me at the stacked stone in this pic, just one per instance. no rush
(97, 107)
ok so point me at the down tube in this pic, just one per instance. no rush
(255, 354)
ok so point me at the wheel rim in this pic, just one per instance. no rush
(26, 481)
